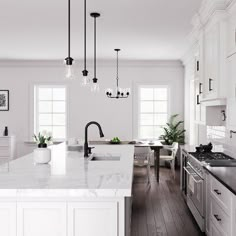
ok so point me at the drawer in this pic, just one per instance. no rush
(4, 142)
(215, 232)
(221, 194)
(4, 152)
(219, 218)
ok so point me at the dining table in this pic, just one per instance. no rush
(156, 146)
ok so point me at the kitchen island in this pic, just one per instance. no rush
(70, 196)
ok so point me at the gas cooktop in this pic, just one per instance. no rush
(209, 156)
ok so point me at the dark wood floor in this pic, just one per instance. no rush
(159, 209)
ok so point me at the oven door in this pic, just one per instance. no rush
(195, 186)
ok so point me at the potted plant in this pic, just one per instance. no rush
(173, 131)
(42, 155)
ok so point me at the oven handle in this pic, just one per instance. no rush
(196, 181)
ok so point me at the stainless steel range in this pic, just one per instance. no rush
(195, 183)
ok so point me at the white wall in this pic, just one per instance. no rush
(115, 116)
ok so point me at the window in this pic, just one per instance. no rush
(50, 111)
(153, 111)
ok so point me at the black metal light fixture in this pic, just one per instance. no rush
(119, 92)
(69, 60)
(85, 80)
(95, 85)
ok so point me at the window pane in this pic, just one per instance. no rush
(146, 132)
(45, 107)
(59, 132)
(45, 128)
(161, 107)
(45, 119)
(160, 93)
(146, 119)
(45, 93)
(146, 93)
(59, 94)
(160, 119)
(146, 107)
(59, 107)
(59, 119)
(158, 131)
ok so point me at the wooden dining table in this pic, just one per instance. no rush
(156, 147)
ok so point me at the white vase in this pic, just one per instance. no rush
(42, 155)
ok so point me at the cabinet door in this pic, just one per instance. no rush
(232, 35)
(41, 218)
(93, 218)
(211, 62)
(214, 231)
(7, 219)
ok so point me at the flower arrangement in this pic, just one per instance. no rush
(43, 139)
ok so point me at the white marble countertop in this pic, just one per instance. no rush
(69, 174)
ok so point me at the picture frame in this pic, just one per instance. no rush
(4, 100)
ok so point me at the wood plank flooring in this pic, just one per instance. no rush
(159, 209)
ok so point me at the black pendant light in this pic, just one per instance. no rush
(69, 59)
(85, 80)
(95, 86)
(119, 92)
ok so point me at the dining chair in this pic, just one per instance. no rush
(142, 158)
(171, 158)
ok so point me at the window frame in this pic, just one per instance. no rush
(138, 113)
(35, 112)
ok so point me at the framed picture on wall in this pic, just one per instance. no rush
(4, 100)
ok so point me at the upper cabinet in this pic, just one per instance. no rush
(214, 59)
(231, 28)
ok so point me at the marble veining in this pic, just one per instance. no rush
(69, 174)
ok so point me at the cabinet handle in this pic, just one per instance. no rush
(198, 102)
(217, 191)
(200, 88)
(235, 37)
(198, 66)
(210, 83)
(217, 217)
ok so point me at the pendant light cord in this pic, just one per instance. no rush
(68, 28)
(85, 35)
(117, 69)
(95, 49)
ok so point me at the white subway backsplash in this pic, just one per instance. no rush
(220, 138)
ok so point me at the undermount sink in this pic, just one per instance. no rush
(105, 157)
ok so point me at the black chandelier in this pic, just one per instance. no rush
(119, 92)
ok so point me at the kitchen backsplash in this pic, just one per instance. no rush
(220, 137)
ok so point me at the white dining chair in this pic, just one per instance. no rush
(142, 158)
(171, 158)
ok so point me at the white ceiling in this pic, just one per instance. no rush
(143, 29)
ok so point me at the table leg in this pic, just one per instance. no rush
(157, 162)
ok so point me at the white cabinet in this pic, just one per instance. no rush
(41, 218)
(93, 218)
(231, 33)
(214, 85)
(220, 205)
(7, 147)
(7, 219)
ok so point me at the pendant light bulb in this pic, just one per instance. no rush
(69, 72)
(85, 79)
(95, 86)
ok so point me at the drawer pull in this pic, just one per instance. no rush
(217, 191)
(217, 217)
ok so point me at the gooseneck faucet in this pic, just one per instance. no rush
(87, 149)
(231, 133)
